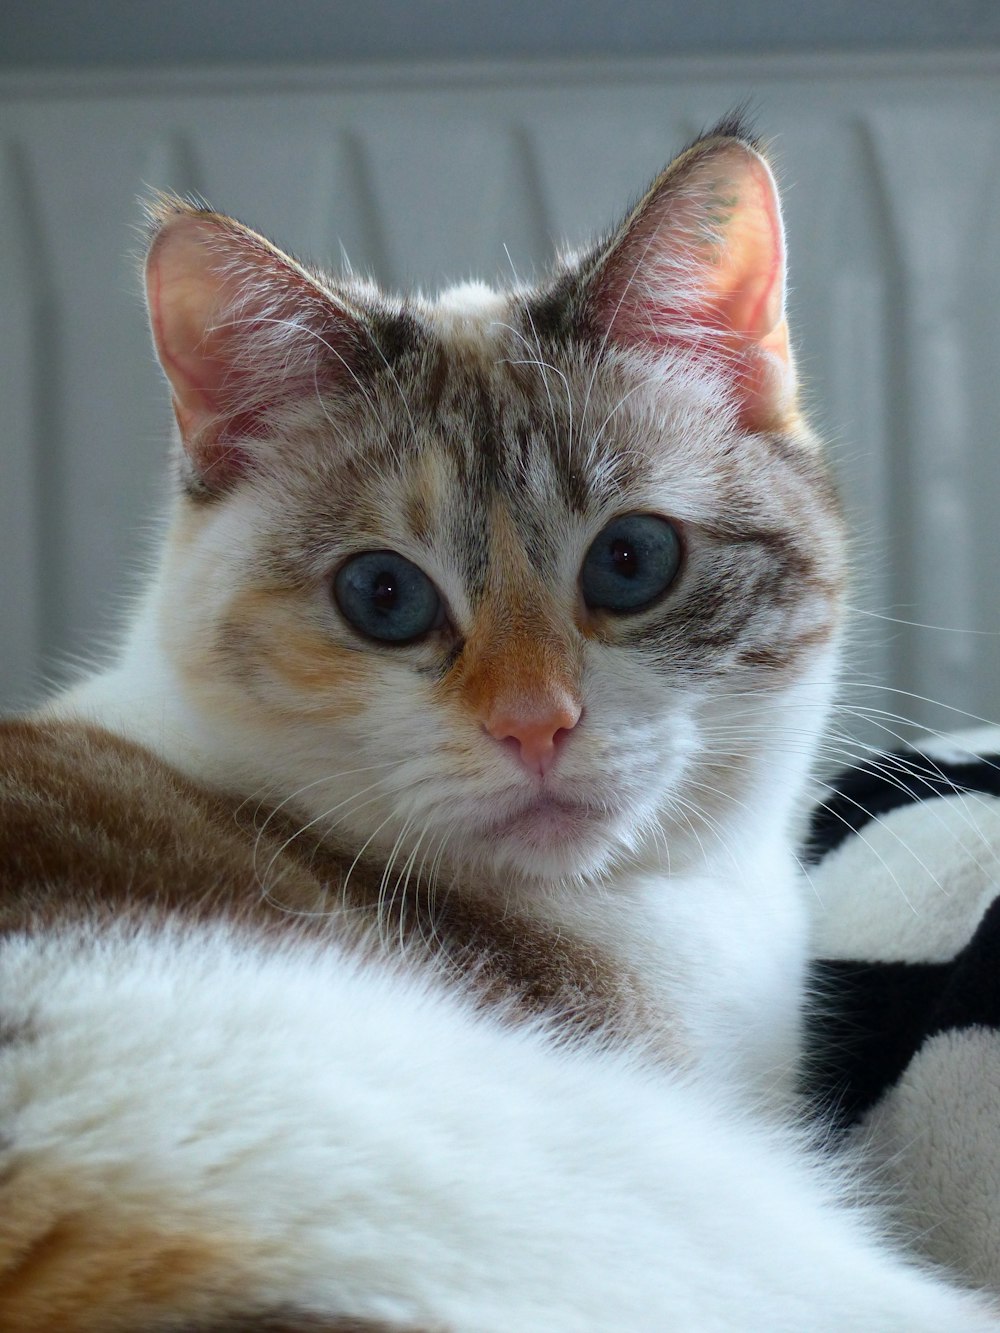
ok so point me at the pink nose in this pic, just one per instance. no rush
(536, 734)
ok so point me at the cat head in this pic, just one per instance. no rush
(539, 579)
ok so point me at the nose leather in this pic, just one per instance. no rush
(537, 733)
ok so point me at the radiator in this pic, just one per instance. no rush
(892, 193)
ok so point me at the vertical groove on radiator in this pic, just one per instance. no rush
(861, 271)
(25, 364)
(517, 220)
(341, 225)
(931, 211)
(171, 164)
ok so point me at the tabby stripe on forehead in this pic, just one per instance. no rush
(553, 314)
(435, 377)
(486, 431)
(395, 334)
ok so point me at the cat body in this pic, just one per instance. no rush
(406, 931)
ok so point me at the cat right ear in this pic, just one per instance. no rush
(241, 330)
(699, 268)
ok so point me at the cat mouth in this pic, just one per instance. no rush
(548, 821)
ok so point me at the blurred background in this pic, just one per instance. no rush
(447, 138)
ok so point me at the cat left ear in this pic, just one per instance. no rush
(699, 266)
(241, 330)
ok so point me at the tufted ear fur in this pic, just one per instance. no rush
(241, 331)
(699, 265)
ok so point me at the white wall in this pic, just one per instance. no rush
(890, 166)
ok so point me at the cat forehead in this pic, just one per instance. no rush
(506, 418)
(461, 437)
(516, 402)
(481, 410)
(508, 405)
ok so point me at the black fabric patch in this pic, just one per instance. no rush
(865, 1024)
(887, 782)
(868, 1020)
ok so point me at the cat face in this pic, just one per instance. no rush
(538, 581)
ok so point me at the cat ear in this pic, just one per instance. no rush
(699, 265)
(241, 331)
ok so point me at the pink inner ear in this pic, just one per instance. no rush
(240, 329)
(187, 295)
(749, 279)
(701, 265)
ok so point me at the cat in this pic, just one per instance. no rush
(405, 931)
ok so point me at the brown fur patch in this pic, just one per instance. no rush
(426, 495)
(90, 1272)
(94, 1273)
(514, 655)
(94, 826)
(519, 668)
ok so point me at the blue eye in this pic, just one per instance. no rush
(387, 597)
(632, 561)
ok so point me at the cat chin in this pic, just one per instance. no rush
(553, 840)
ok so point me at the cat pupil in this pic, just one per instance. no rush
(624, 559)
(384, 593)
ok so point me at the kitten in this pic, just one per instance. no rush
(406, 932)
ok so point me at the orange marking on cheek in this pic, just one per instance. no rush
(267, 640)
(336, 683)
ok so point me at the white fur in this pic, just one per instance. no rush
(389, 1153)
(383, 1152)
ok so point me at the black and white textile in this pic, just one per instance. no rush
(904, 857)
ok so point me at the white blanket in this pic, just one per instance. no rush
(905, 1032)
